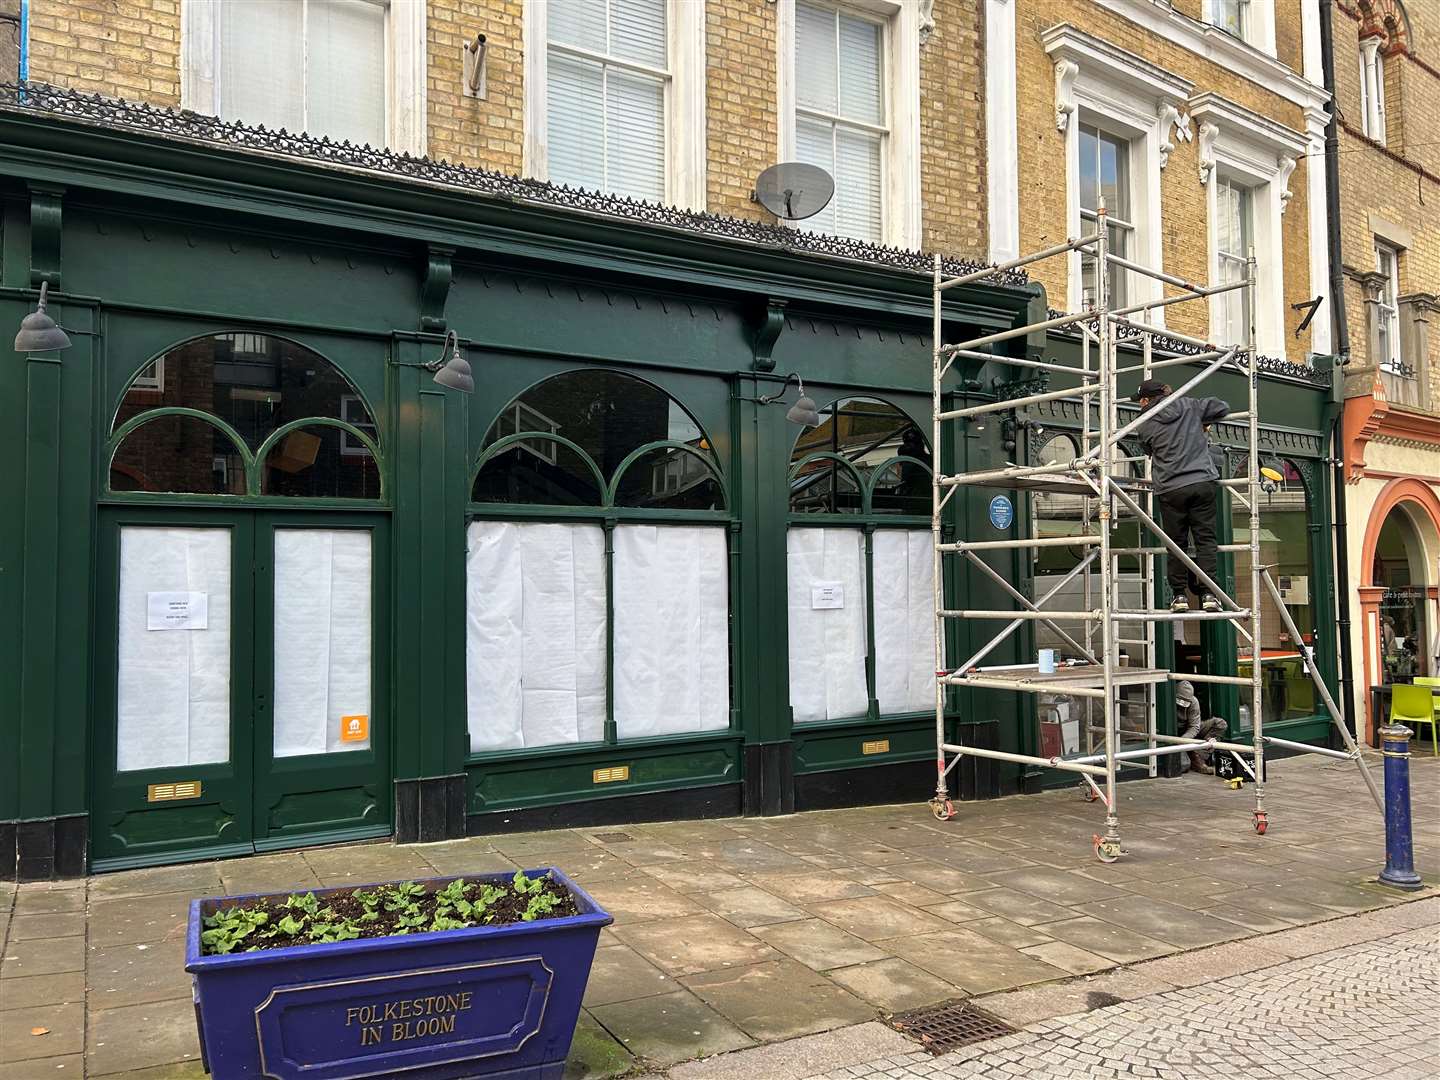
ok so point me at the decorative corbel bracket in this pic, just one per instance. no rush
(1171, 118)
(1282, 179)
(435, 289)
(765, 333)
(1065, 73)
(927, 21)
(1207, 135)
(45, 222)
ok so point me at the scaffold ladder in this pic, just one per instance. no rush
(1099, 472)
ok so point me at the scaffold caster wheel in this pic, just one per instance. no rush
(1088, 793)
(1261, 822)
(1107, 851)
(943, 809)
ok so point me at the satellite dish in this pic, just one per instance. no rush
(794, 190)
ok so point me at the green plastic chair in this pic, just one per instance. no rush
(1416, 705)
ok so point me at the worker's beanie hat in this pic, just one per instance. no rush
(1184, 693)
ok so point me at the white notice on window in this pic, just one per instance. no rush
(827, 594)
(177, 610)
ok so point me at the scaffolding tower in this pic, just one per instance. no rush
(1101, 471)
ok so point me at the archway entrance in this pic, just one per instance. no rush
(1398, 568)
(1398, 590)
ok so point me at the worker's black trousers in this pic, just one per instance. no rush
(1188, 514)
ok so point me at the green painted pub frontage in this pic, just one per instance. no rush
(268, 583)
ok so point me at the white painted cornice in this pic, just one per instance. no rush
(1219, 47)
(1246, 125)
(1116, 65)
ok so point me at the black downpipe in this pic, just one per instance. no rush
(1341, 329)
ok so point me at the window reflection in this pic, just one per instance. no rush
(671, 479)
(867, 433)
(539, 472)
(256, 383)
(178, 454)
(320, 462)
(903, 487)
(607, 414)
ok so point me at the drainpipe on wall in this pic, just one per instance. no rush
(1341, 327)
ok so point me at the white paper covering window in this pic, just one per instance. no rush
(672, 630)
(535, 634)
(904, 571)
(173, 692)
(827, 644)
(322, 639)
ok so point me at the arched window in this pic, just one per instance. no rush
(860, 567)
(595, 612)
(866, 434)
(1284, 548)
(244, 413)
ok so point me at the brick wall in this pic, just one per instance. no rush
(952, 131)
(122, 48)
(472, 131)
(1183, 222)
(131, 48)
(1399, 182)
(740, 95)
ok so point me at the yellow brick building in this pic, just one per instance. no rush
(727, 68)
(1387, 88)
(1203, 109)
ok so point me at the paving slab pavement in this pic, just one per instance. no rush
(735, 933)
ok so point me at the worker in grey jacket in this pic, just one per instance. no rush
(1191, 723)
(1185, 479)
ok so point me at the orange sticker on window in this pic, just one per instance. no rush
(354, 728)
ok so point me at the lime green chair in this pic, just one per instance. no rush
(1416, 705)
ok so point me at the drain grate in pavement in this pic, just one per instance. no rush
(613, 837)
(942, 1028)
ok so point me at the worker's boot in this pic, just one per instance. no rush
(1209, 603)
(1199, 764)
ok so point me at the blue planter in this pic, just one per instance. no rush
(497, 1001)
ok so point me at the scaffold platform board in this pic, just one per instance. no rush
(1053, 485)
(1077, 677)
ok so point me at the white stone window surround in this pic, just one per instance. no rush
(684, 99)
(1001, 131)
(1126, 96)
(1260, 154)
(1259, 17)
(900, 159)
(1372, 88)
(405, 74)
(1245, 60)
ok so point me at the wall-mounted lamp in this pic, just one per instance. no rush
(1272, 478)
(451, 368)
(39, 332)
(473, 84)
(803, 411)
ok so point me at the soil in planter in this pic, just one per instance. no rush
(384, 911)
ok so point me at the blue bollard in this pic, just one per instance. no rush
(1399, 848)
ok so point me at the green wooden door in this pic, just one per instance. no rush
(241, 700)
(321, 737)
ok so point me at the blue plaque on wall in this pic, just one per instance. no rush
(1002, 512)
